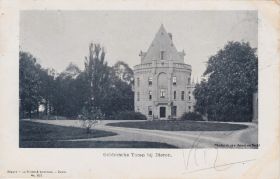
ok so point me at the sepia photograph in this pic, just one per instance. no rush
(138, 79)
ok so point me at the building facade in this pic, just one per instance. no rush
(162, 81)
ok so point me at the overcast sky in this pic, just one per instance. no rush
(57, 38)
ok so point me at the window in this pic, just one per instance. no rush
(183, 95)
(150, 95)
(190, 108)
(150, 81)
(162, 93)
(174, 80)
(138, 81)
(150, 110)
(174, 111)
(174, 95)
(189, 98)
(138, 109)
(161, 55)
(189, 81)
(138, 96)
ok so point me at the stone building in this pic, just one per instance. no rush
(163, 87)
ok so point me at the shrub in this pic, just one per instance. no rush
(90, 117)
(52, 117)
(130, 115)
(192, 116)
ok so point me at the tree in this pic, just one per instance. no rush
(232, 78)
(68, 92)
(201, 97)
(97, 75)
(29, 85)
(120, 96)
(123, 72)
(47, 89)
(97, 82)
(75, 91)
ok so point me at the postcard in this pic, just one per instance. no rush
(139, 89)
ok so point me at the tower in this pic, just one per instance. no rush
(162, 79)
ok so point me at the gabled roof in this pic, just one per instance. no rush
(162, 42)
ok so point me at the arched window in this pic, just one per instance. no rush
(162, 85)
(161, 55)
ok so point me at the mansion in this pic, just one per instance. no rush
(163, 87)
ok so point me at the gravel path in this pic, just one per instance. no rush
(180, 139)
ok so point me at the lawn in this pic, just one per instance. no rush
(33, 131)
(95, 144)
(39, 135)
(177, 125)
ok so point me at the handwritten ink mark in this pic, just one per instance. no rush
(226, 164)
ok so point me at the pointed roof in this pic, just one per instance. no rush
(163, 42)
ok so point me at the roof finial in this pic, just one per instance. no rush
(162, 27)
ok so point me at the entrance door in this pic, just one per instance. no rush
(162, 111)
(174, 111)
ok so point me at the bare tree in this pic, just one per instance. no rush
(90, 118)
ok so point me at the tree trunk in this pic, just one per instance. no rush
(88, 130)
(29, 114)
(37, 111)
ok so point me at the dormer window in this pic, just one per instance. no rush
(161, 55)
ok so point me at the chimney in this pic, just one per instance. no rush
(170, 35)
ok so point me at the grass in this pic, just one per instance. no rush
(95, 144)
(176, 125)
(39, 135)
(33, 131)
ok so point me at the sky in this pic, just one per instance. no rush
(57, 38)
